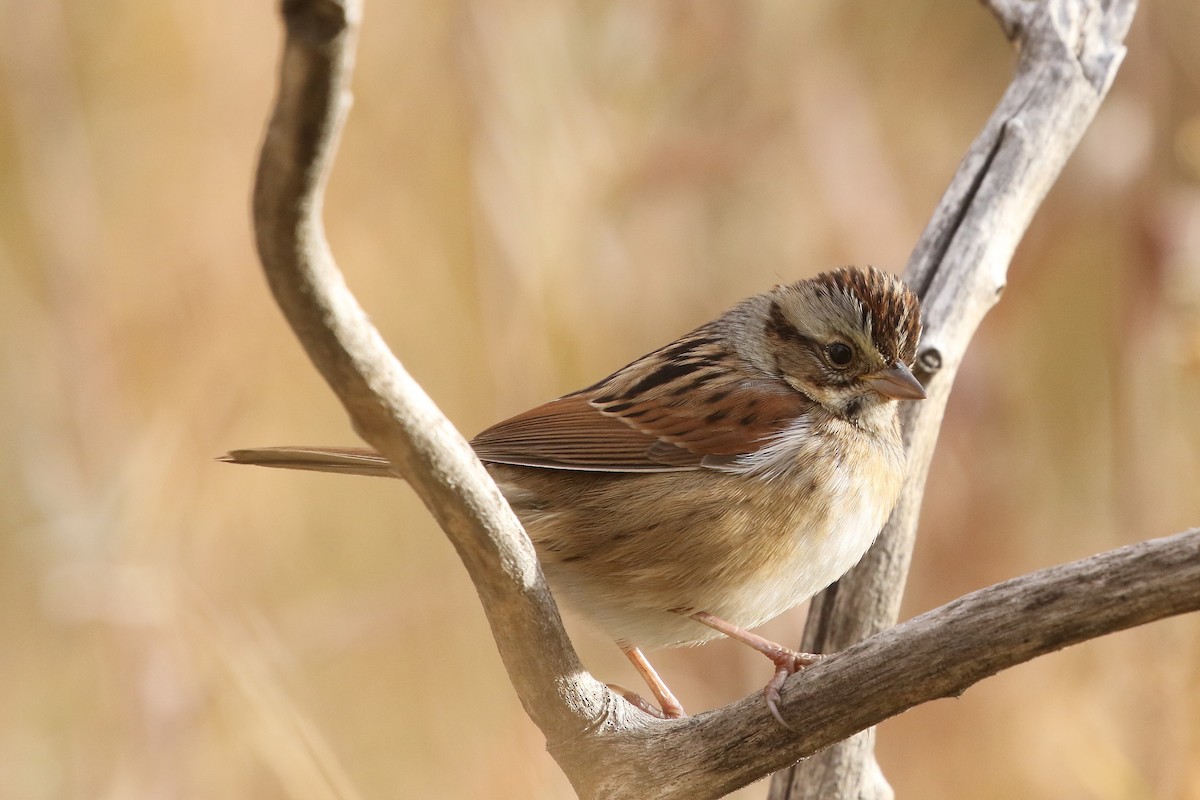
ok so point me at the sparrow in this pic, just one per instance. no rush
(715, 482)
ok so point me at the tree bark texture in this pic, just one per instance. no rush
(1069, 53)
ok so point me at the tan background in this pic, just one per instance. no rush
(530, 194)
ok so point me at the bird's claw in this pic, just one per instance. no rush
(787, 663)
(634, 699)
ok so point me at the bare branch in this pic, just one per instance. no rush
(386, 406)
(606, 748)
(1069, 53)
(938, 654)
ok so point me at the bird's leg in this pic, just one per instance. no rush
(671, 709)
(787, 661)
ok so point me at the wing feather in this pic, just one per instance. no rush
(683, 407)
(690, 405)
(570, 433)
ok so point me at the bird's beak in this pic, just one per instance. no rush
(896, 382)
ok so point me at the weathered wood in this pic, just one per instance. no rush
(1069, 52)
(386, 406)
(606, 748)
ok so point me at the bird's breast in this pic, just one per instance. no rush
(745, 545)
(822, 518)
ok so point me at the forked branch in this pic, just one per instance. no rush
(606, 748)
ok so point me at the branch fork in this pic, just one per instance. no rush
(1069, 53)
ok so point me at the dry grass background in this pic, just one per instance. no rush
(528, 195)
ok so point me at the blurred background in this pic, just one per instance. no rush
(528, 195)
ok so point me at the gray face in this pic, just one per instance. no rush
(828, 333)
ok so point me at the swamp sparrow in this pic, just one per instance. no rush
(717, 482)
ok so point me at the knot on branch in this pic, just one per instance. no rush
(1012, 16)
(1101, 50)
(317, 21)
(929, 361)
(1083, 31)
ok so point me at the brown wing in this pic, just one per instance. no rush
(682, 407)
(688, 405)
(570, 433)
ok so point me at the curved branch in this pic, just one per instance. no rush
(605, 747)
(387, 407)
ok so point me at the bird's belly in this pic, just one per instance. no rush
(746, 558)
(812, 555)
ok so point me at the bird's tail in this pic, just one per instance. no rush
(344, 460)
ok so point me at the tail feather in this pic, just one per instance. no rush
(344, 460)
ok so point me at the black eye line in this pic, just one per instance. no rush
(779, 328)
(806, 342)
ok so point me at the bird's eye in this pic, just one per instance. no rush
(839, 355)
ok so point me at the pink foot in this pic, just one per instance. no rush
(668, 711)
(787, 661)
